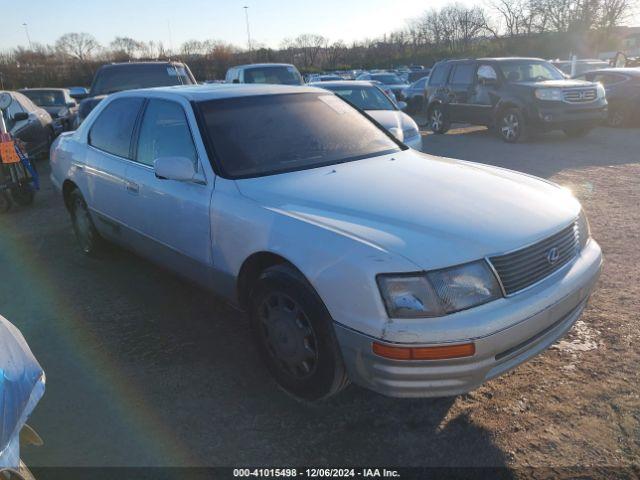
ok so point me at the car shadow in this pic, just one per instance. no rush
(542, 155)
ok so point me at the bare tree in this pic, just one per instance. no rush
(77, 45)
(126, 47)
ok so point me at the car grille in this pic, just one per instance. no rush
(522, 268)
(579, 95)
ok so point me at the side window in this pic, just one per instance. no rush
(10, 112)
(439, 75)
(113, 129)
(486, 72)
(462, 74)
(164, 133)
(421, 83)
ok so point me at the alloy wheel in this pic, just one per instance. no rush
(288, 335)
(510, 126)
(437, 120)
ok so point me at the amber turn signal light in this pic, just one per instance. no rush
(424, 353)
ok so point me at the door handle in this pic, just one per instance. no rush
(132, 188)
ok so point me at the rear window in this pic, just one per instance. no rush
(462, 74)
(46, 98)
(282, 75)
(128, 77)
(263, 135)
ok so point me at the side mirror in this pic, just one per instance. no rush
(71, 104)
(181, 169)
(20, 116)
(402, 105)
(79, 96)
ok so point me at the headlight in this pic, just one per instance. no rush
(601, 91)
(438, 292)
(554, 94)
(584, 231)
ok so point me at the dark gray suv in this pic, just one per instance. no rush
(516, 96)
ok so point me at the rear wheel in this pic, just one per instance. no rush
(511, 125)
(86, 233)
(617, 117)
(438, 121)
(294, 334)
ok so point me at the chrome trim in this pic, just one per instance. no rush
(495, 273)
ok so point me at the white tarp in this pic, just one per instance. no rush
(21, 387)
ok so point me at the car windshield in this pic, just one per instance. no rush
(45, 98)
(268, 134)
(529, 71)
(131, 76)
(387, 78)
(283, 75)
(365, 98)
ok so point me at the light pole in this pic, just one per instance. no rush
(246, 17)
(26, 30)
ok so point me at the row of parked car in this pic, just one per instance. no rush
(514, 96)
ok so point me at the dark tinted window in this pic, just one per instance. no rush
(267, 134)
(439, 75)
(130, 76)
(283, 75)
(164, 133)
(463, 74)
(113, 129)
(46, 98)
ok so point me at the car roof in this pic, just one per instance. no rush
(342, 83)
(135, 64)
(42, 89)
(258, 65)
(201, 93)
(628, 70)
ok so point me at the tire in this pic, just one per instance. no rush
(577, 132)
(294, 334)
(618, 117)
(5, 202)
(437, 120)
(88, 237)
(510, 125)
(23, 195)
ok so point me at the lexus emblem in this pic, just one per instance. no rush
(553, 255)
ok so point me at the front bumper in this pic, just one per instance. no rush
(560, 115)
(496, 352)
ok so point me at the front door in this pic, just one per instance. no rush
(171, 217)
(483, 95)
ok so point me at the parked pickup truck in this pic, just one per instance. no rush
(515, 96)
(356, 257)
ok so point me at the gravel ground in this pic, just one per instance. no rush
(145, 369)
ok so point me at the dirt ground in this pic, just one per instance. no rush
(146, 370)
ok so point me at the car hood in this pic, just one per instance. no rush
(558, 84)
(433, 211)
(389, 118)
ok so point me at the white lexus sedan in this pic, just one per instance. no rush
(356, 257)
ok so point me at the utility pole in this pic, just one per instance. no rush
(26, 29)
(246, 17)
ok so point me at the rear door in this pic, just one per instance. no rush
(109, 149)
(170, 218)
(460, 90)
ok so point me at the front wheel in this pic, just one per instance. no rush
(294, 334)
(438, 121)
(511, 126)
(86, 233)
(576, 132)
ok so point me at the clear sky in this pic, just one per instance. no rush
(174, 21)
